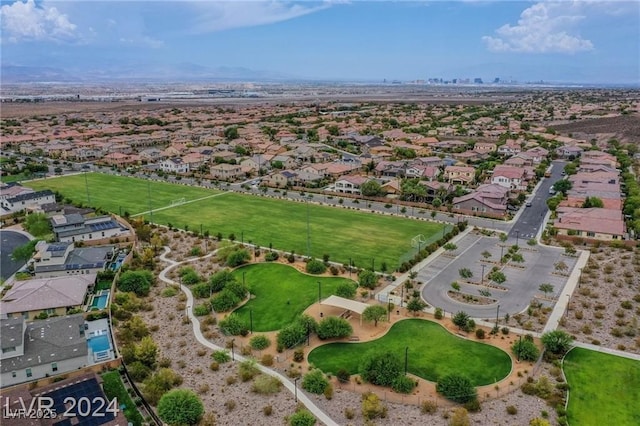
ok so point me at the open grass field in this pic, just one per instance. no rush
(340, 233)
(433, 353)
(605, 389)
(281, 293)
(113, 193)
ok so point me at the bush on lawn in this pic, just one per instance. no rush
(225, 301)
(403, 384)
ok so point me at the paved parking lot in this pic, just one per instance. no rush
(514, 296)
(10, 240)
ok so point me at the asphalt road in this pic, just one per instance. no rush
(531, 217)
(9, 241)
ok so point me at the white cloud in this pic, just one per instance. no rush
(24, 20)
(220, 16)
(542, 28)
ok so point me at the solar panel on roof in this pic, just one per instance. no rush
(89, 392)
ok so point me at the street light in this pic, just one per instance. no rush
(350, 264)
(517, 235)
(251, 321)
(497, 313)
(243, 275)
(568, 304)
(295, 388)
(319, 292)
(519, 347)
(482, 276)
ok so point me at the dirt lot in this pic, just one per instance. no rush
(626, 128)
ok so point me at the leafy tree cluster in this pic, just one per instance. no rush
(331, 327)
(25, 251)
(159, 384)
(525, 349)
(295, 333)
(136, 281)
(38, 224)
(374, 313)
(238, 257)
(457, 387)
(234, 325)
(463, 321)
(347, 290)
(368, 279)
(180, 407)
(315, 382)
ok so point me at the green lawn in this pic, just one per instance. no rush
(433, 352)
(281, 293)
(15, 178)
(115, 192)
(605, 389)
(113, 388)
(341, 233)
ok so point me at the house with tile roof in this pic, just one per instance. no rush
(590, 223)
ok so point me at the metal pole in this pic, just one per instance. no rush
(86, 184)
(406, 359)
(295, 387)
(243, 274)
(519, 346)
(517, 236)
(373, 263)
(350, 268)
(251, 321)
(497, 313)
(401, 294)
(482, 277)
(242, 237)
(232, 351)
(501, 253)
(200, 229)
(308, 233)
(149, 197)
(319, 292)
(388, 307)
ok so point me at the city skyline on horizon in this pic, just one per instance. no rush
(588, 42)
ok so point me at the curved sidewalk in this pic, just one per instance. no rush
(309, 404)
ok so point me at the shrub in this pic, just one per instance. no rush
(403, 384)
(302, 418)
(438, 314)
(267, 410)
(138, 371)
(221, 356)
(331, 327)
(480, 333)
(315, 382)
(316, 267)
(380, 367)
(343, 376)
(202, 310)
(169, 292)
(298, 355)
(349, 413)
(525, 350)
(259, 342)
(233, 325)
(271, 256)
(328, 391)
(230, 404)
(557, 342)
(512, 410)
(238, 257)
(461, 319)
(267, 360)
(224, 301)
(368, 279)
(428, 407)
(180, 406)
(473, 406)
(372, 407)
(460, 417)
(214, 366)
(505, 330)
(247, 370)
(457, 388)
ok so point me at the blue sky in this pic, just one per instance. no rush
(581, 41)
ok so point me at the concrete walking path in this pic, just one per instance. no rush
(301, 396)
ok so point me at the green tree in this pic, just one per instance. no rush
(374, 313)
(315, 382)
(557, 342)
(137, 281)
(415, 305)
(457, 387)
(220, 279)
(160, 383)
(590, 202)
(371, 188)
(331, 327)
(180, 407)
(460, 319)
(498, 277)
(231, 133)
(347, 290)
(37, 224)
(450, 247)
(238, 257)
(224, 301)
(525, 349)
(563, 185)
(380, 367)
(147, 352)
(368, 279)
(25, 251)
(546, 288)
(316, 267)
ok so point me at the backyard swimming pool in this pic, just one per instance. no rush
(100, 301)
(99, 344)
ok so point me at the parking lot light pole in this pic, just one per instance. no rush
(319, 292)
(295, 387)
(497, 313)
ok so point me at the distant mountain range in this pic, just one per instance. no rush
(133, 72)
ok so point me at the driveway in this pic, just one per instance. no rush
(10, 240)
